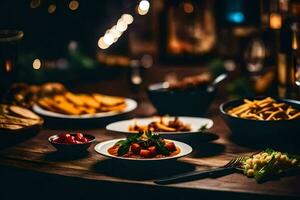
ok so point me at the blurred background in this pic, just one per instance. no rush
(255, 41)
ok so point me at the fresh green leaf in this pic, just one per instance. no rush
(149, 134)
(267, 171)
(161, 148)
(203, 128)
(155, 136)
(123, 149)
(121, 142)
(134, 137)
(269, 151)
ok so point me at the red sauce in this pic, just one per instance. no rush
(114, 151)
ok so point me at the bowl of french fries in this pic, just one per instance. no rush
(264, 117)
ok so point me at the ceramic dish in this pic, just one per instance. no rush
(195, 122)
(102, 148)
(261, 129)
(131, 105)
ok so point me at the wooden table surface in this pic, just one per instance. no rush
(35, 154)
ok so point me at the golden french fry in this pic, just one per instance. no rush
(295, 116)
(73, 98)
(164, 127)
(108, 100)
(114, 108)
(67, 108)
(89, 101)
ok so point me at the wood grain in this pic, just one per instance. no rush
(37, 155)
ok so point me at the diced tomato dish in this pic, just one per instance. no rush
(67, 138)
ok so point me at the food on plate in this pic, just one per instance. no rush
(162, 124)
(144, 145)
(269, 164)
(191, 82)
(17, 118)
(26, 95)
(265, 109)
(76, 104)
(66, 138)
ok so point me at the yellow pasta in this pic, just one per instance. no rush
(265, 109)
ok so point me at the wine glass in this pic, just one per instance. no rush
(255, 55)
(9, 42)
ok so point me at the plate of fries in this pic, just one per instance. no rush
(267, 118)
(83, 106)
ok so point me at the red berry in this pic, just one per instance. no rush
(153, 151)
(84, 140)
(64, 135)
(135, 148)
(58, 140)
(170, 146)
(79, 136)
(145, 153)
(71, 140)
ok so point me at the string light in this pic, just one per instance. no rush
(143, 7)
(275, 21)
(102, 44)
(74, 5)
(35, 3)
(121, 25)
(108, 39)
(113, 34)
(51, 8)
(188, 7)
(37, 64)
(128, 19)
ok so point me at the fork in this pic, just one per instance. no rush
(230, 167)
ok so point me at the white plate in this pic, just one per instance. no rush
(102, 148)
(131, 105)
(195, 122)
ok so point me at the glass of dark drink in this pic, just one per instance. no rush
(9, 42)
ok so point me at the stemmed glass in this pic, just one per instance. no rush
(9, 42)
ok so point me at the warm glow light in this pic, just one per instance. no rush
(110, 32)
(8, 65)
(51, 8)
(295, 41)
(74, 5)
(275, 21)
(127, 18)
(188, 7)
(102, 44)
(115, 32)
(73, 45)
(112, 35)
(144, 5)
(121, 25)
(108, 39)
(37, 64)
(35, 3)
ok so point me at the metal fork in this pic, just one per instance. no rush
(230, 167)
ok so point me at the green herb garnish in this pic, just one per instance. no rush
(146, 138)
(203, 128)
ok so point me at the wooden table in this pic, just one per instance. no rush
(32, 168)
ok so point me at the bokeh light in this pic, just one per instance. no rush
(36, 64)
